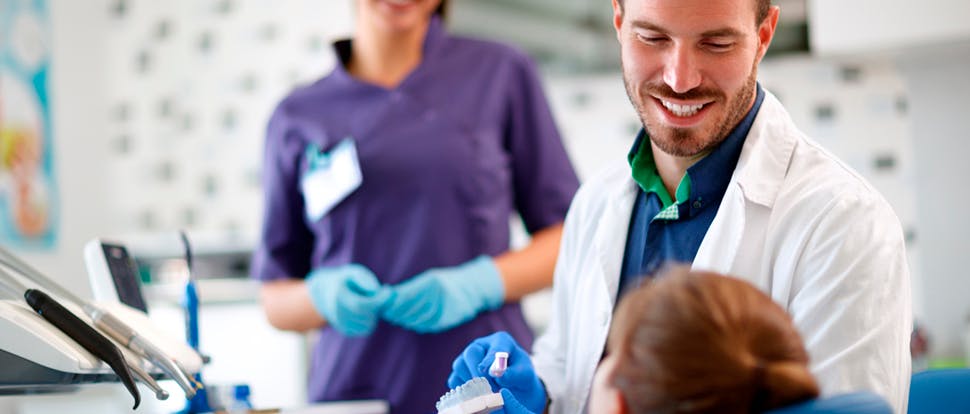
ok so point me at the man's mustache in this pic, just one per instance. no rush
(663, 91)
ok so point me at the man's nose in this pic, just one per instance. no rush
(681, 72)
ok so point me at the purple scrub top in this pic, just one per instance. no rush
(465, 141)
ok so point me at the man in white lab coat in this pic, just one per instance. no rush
(721, 178)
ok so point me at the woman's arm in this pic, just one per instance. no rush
(288, 307)
(530, 269)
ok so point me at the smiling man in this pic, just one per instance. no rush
(719, 177)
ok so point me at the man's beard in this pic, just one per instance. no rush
(685, 142)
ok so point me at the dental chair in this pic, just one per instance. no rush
(851, 403)
(940, 391)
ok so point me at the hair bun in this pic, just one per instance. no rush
(779, 383)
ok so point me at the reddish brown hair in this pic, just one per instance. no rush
(695, 342)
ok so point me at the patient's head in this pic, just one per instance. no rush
(692, 342)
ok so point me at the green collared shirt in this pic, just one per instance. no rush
(646, 175)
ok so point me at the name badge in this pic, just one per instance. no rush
(330, 177)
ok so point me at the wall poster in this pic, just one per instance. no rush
(28, 196)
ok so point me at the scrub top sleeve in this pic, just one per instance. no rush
(285, 244)
(543, 178)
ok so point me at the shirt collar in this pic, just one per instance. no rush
(706, 180)
(648, 178)
(433, 39)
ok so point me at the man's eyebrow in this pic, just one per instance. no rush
(643, 24)
(722, 32)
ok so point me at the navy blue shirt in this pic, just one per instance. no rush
(654, 238)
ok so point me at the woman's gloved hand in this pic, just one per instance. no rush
(349, 297)
(520, 379)
(439, 299)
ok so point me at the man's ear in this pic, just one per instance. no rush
(620, 404)
(617, 17)
(766, 30)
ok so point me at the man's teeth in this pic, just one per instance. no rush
(682, 110)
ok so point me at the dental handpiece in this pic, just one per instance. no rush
(146, 379)
(136, 370)
(124, 334)
(111, 325)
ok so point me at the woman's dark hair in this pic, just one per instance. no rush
(693, 342)
(442, 8)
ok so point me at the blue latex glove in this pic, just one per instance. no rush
(439, 299)
(512, 405)
(520, 377)
(349, 297)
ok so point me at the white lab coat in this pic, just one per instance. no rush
(795, 222)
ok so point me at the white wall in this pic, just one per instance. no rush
(848, 28)
(193, 85)
(8, 404)
(941, 131)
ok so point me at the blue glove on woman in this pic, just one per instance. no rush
(439, 299)
(521, 388)
(349, 297)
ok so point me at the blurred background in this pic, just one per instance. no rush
(144, 117)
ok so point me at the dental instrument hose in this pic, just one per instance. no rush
(76, 329)
(84, 335)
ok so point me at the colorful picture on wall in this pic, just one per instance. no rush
(28, 202)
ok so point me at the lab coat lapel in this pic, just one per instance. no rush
(737, 230)
(609, 241)
(719, 248)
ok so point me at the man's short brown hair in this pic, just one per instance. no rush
(761, 9)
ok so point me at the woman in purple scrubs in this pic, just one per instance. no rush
(390, 185)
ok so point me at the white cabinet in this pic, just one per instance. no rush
(839, 27)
